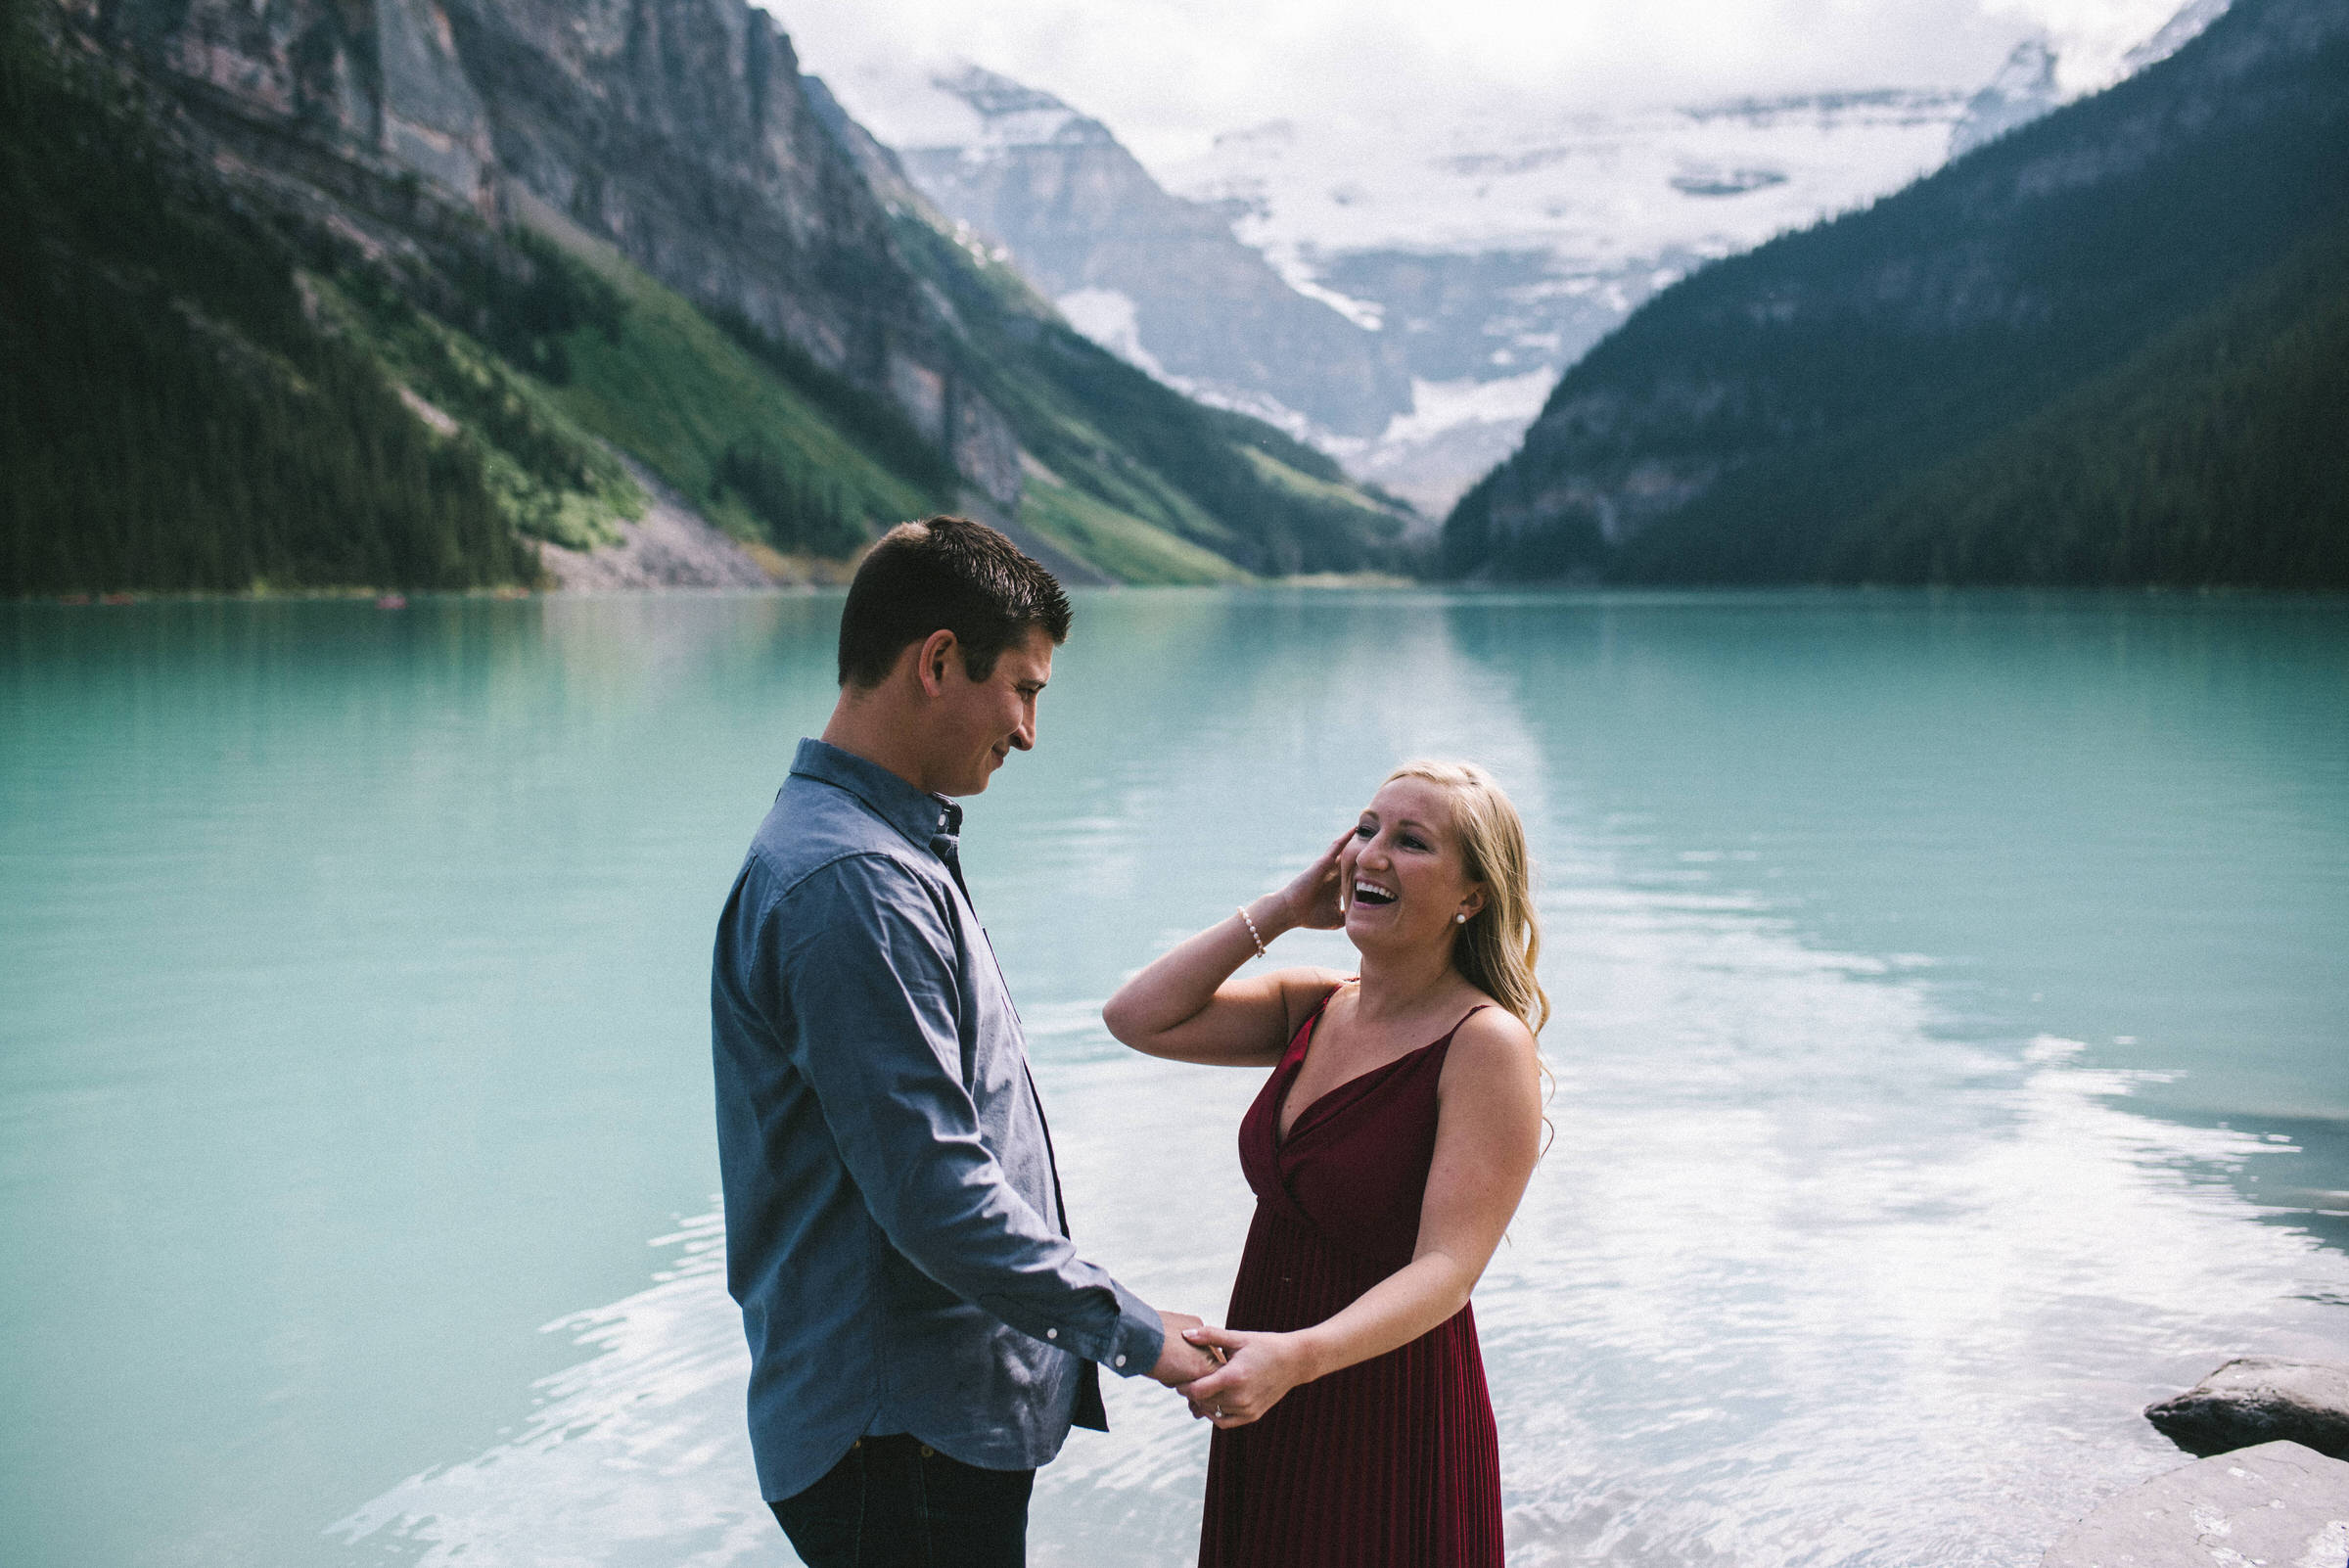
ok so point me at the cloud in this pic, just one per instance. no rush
(1169, 74)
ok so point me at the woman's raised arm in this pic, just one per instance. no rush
(1186, 1007)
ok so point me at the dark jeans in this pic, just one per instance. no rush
(893, 1502)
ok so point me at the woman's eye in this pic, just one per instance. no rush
(1411, 842)
(1362, 832)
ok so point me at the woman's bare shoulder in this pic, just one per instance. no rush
(1494, 1037)
(1306, 988)
(1310, 981)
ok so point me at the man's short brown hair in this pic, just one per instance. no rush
(945, 574)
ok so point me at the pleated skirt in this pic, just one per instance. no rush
(1390, 1463)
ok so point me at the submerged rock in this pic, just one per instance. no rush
(2278, 1504)
(2260, 1399)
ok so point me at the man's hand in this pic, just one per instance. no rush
(1258, 1369)
(1180, 1361)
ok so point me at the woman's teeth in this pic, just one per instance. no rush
(1371, 892)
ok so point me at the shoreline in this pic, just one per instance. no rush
(801, 574)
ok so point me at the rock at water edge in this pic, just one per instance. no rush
(2278, 1505)
(2260, 1399)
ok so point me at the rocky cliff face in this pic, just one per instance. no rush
(680, 130)
(1743, 419)
(380, 80)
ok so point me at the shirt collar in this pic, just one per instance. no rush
(918, 815)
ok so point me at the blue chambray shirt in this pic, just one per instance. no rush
(894, 1226)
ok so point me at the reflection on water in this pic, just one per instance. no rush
(1799, 1281)
(1949, 1049)
(635, 1455)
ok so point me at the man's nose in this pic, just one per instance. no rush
(1023, 737)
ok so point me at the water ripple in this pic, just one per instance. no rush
(636, 1456)
(1802, 1283)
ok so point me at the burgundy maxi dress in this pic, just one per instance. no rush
(1391, 1462)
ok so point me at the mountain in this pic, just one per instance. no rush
(1465, 257)
(2174, 35)
(1750, 423)
(1497, 250)
(1211, 487)
(1155, 277)
(2024, 89)
(1401, 307)
(590, 267)
(2026, 86)
(2213, 455)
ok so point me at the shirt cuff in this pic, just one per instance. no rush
(1139, 1337)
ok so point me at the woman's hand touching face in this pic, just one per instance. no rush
(1313, 895)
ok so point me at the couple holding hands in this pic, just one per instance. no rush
(922, 1333)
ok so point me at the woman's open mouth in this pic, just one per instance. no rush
(1371, 893)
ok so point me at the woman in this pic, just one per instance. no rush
(1388, 1151)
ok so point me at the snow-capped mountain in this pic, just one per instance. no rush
(1495, 252)
(2174, 35)
(1155, 278)
(2024, 89)
(1407, 299)
(2027, 85)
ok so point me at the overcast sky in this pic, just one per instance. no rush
(1167, 74)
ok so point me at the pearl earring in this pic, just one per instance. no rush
(1459, 920)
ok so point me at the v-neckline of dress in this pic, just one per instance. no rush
(1282, 1136)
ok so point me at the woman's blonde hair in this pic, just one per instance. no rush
(1498, 946)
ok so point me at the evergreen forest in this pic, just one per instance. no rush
(169, 417)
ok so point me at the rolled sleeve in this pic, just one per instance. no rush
(868, 960)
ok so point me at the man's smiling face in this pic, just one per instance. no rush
(978, 723)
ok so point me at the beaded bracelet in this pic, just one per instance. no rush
(1253, 933)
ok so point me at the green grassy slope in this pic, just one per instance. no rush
(641, 371)
(1117, 541)
(678, 393)
(550, 478)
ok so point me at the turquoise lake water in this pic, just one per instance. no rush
(1952, 1049)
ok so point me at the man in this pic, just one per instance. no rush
(922, 1333)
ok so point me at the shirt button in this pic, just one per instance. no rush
(1051, 1333)
(1121, 1360)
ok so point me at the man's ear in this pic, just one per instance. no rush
(937, 653)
